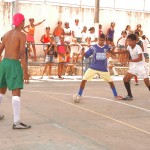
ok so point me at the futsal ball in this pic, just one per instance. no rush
(76, 98)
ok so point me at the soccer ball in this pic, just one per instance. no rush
(76, 98)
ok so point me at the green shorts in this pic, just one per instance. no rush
(11, 74)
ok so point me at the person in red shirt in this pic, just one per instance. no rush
(46, 39)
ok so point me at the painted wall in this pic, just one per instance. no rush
(86, 16)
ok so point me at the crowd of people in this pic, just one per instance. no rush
(68, 42)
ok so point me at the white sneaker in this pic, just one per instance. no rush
(76, 98)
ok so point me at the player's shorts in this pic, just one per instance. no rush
(90, 73)
(11, 74)
(140, 71)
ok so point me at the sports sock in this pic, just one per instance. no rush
(80, 92)
(114, 91)
(127, 85)
(16, 108)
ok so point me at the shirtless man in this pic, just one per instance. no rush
(12, 72)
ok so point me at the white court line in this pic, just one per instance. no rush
(114, 101)
(99, 114)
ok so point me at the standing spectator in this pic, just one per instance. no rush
(45, 39)
(100, 29)
(62, 50)
(139, 30)
(86, 46)
(128, 30)
(121, 43)
(92, 35)
(67, 33)
(84, 34)
(75, 50)
(30, 35)
(12, 72)
(145, 41)
(76, 31)
(49, 60)
(111, 31)
(58, 32)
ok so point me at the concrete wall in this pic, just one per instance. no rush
(86, 15)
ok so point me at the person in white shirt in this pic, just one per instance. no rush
(76, 31)
(67, 33)
(145, 41)
(84, 34)
(138, 66)
(92, 35)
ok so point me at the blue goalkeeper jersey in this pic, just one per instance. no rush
(99, 59)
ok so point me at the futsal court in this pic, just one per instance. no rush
(98, 122)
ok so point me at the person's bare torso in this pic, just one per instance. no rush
(12, 41)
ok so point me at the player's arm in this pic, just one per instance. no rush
(23, 58)
(25, 28)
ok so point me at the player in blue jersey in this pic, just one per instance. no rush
(98, 66)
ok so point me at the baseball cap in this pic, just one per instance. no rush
(17, 19)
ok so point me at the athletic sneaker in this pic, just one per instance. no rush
(128, 98)
(1, 117)
(20, 125)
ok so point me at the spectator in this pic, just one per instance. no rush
(92, 35)
(100, 29)
(139, 30)
(111, 31)
(84, 34)
(58, 32)
(45, 39)
(67, 33)
(76, 31)
(30, 35)
(49, 57)
(128, 30)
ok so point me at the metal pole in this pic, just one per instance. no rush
(96, 16)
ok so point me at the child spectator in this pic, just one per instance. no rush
(84, 34)
(121, 43)
(49, 57)
(75, 50)
(62, 50)
(111, 31)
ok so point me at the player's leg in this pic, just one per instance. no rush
(126, 80)
(2, 92)
(147, 83)
(16, 110)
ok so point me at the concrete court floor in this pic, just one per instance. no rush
(98, 122)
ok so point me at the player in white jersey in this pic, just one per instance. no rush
(138, 66)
